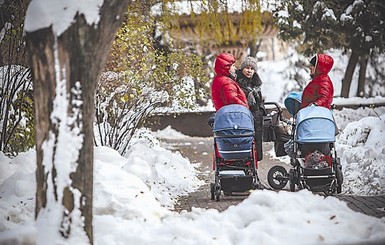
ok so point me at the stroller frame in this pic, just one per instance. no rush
(234, 176)
(328, 180)
(235, 169)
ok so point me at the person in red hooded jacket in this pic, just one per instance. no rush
(224, 89)
(320, 89)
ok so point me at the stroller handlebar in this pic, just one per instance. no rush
(280, 112)
(291, 123)
(277, 106)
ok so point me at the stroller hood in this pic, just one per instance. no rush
(315, 124)
(233, 117)
(293, 102)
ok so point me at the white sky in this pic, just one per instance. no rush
(134, 194)
(185, 7)
(60, 14)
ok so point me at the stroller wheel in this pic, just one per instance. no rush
(277, 177)
(329, 189)
(212, 191)
(257, 186)
(217, 192)
(339, 189)
(292, 185)
(340, 179)
(340, 176)
(217, 196)
(293, 179)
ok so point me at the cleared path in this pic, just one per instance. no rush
(199, 150)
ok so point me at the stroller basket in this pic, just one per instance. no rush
(236, 183)
(234, 132)
(235, 180)
(318, 178)
(315, 124)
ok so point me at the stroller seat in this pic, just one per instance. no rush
(234, 132)
(306, 149)
(315, 131)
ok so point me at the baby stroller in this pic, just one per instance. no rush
(313, 157)
(234, 158)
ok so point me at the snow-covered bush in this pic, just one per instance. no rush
(16, 110)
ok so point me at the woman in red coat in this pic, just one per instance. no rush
(224, 89)
(320, 89)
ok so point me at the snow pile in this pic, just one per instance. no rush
(362, 150)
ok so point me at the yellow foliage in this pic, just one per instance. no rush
(216, 24)
(139, 64)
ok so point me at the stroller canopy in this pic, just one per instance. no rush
(315, 124)
(293, 102)
(234, 132)
(233, 117)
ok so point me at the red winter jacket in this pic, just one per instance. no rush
(224, 90)
(320, 90)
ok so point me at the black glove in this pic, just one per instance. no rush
(211, 119)
(251, 99)
(262, 109)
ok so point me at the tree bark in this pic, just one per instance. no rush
(254, 48)
(353, 60)
(362, 75)
(70, 64)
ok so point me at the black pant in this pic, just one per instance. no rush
(258, 122)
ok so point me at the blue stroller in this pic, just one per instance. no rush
(313, 157)
(234, 158)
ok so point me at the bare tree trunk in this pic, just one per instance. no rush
(65, 71)
(362, 76)
(254, 47)
(353, 60)
(12, 45)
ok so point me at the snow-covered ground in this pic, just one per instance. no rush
(134, 196)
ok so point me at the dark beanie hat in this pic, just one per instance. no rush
(249, 61)
(313, 60)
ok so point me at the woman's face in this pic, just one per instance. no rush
(232, 69)
(248, 71)
(312, 70)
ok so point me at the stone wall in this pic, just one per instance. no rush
(188, 123)
(195, 123)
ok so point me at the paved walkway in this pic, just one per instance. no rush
(199, 150)
(370, 205)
